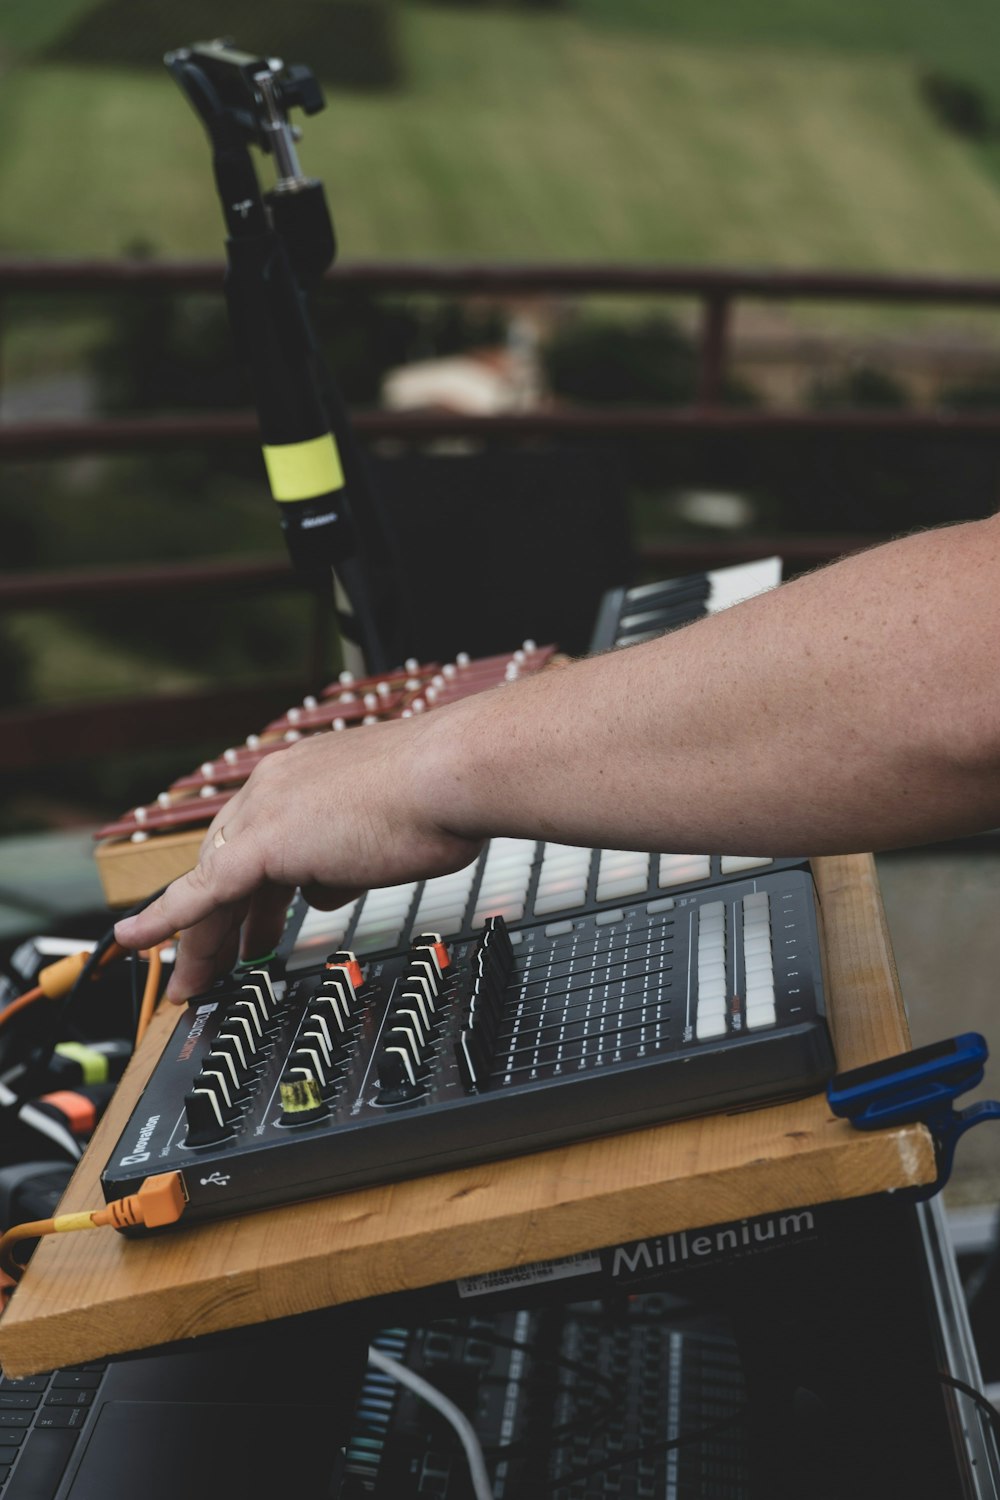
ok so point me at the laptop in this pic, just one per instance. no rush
(260, 1412)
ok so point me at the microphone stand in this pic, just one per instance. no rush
(278, 245)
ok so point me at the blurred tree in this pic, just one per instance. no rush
(863, 386)
(351, 44)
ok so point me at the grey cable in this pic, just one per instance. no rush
(430, 1393)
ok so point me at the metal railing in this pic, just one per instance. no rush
(39, 735)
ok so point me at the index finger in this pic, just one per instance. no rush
(218, 879)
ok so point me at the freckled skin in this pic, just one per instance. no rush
(856, 708)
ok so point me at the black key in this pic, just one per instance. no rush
(77, 1380)
(672, 591)
(61, 1416)
(7, 1455)
(19, 1400)
(26, 1383)
(14, 1419)
(42, 1466)
(660, 621)
(69, 1398)
(4, 1471)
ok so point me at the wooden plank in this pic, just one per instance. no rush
(91, 1294)
(131, 872)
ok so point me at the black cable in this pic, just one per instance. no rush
(133, 969)
(41, 1055)
(982, 1401)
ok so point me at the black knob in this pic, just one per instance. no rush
(205, 1123)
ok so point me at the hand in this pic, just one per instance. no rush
(334, 814)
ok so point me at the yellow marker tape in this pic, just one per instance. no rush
(94, 1065)
(301, 471)
(62, 1223)
(300, 1095)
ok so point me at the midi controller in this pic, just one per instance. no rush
(287, 1082)
(545, 994)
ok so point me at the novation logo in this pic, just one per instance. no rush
(707, 1244)
(201, 1016)
(139, 1153)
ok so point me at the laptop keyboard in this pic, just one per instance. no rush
(41, 1418)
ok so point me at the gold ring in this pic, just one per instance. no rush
(219, 839)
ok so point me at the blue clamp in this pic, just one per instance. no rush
(919, 1087)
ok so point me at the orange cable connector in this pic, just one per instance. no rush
(160, 1200)
(55, 981)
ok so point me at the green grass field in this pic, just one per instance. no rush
(535, 136)
(961, 38)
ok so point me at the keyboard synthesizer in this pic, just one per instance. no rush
(545, 995)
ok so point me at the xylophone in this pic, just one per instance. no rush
(150, 845)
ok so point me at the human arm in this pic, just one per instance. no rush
(857, 707)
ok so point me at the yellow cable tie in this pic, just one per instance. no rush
(304, 471)
(63, 1223)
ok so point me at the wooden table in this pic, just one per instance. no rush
(91, 1294)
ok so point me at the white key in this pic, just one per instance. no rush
(678, 869)
(501, 894)
(447, 924)
(759, 994)
(512, 865)
(732, 864)
(754, 946)
(560, 901)
(370, 939)
(390, 898)
(713, 989)
(607, 918)
(617, 863)
(757, 900)
(707, 1027)
(712, 909)
(511, 911)
(760, 1015)
(628, 885)
(519, 851)
(716, 1005)
(317, 925)
(759, 965)
(712, 970)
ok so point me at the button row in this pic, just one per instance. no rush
(228, 1074)
(322, 1043)
(715, 990)
(443, 902)
(758, 962)
(503, 890)
(489, 973)
(413, 1021)
(562, 879)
